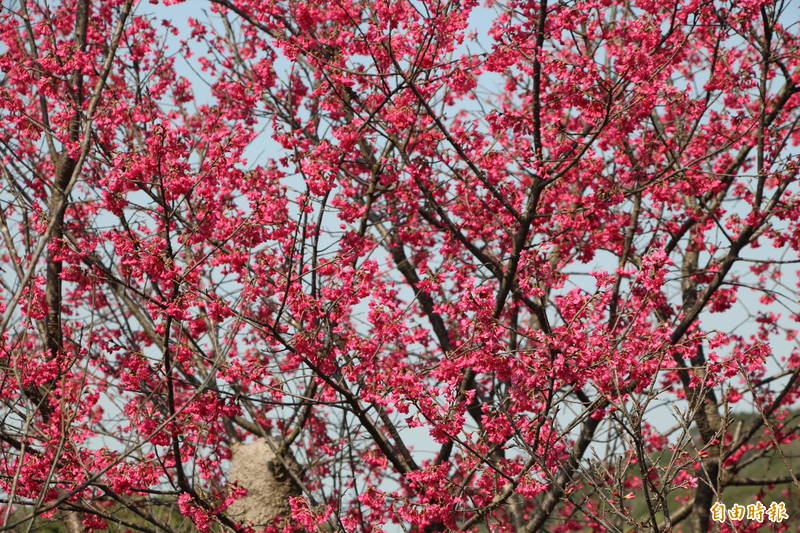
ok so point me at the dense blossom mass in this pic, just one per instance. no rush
(527, 265)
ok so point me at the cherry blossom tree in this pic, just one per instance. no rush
(523, 266)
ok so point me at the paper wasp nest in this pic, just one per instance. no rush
(255, 467)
